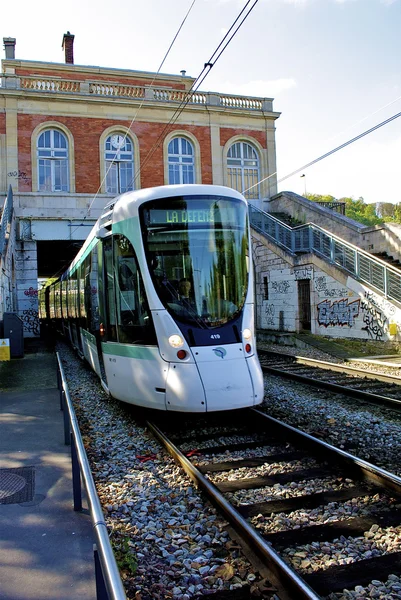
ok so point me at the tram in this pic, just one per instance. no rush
(160, 300)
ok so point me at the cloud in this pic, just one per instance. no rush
(258, 87)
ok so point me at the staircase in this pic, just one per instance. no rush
(383, 275)
(393, 262)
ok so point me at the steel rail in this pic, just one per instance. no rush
(282, 575)
(322, 364)
(376, 399)
(370, 472)
(109, 566)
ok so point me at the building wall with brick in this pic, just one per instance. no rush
(87, 105)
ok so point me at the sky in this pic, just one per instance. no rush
(332, 67)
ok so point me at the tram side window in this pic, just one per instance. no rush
(134, 320)
(81, 291)
(111, 332)
(94, 317)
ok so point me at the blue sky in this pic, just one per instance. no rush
(332, 67)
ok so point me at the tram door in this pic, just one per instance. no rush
(304, 304)
(107, 328)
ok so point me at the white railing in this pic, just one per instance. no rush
(49, 85)
(121, 90)
(312, 238)
(116, 89)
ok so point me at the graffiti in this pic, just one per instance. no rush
(374, 319)
(31, 292)
(19, 175)
(281, 287)
(323, 290)
(270, 312)
(304, 273)
(340, 312)
(30, 319)
(373, 327)
(380, 303)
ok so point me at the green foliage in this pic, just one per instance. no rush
(354, 209)
(125, 557)
(367, 214)
(49, 281)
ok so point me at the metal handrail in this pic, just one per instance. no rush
(312, 238)
(109, 568)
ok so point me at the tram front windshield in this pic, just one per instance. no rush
(197, 252)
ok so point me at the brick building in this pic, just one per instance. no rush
(72, 137)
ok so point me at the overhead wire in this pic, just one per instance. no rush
(196, 83)
(143, 100)
(132, 122)
(312, 162)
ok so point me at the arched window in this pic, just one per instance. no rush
(52, 154)
(243, 169)
(119, 161)
(181, 161)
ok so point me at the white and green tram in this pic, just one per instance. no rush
(160, 300)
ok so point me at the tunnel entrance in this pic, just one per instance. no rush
(55, 256)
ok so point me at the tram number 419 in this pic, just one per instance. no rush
(215, 336)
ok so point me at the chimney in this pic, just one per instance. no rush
(68, 46)
(9, 46)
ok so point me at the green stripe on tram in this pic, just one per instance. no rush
(131, 351)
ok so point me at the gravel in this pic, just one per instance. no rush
(159, 524)
(179, 547)
(369, 432)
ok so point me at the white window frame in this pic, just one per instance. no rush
(115, 160)
(56, 162)
(242, 173)
(181, 159)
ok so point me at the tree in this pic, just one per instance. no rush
(385, 210)
(357, 210)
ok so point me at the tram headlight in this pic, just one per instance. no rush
(175, 341)
(247, 333)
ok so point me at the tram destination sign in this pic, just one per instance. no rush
(195, 215)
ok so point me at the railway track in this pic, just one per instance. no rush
(271, 458)
(377, 388)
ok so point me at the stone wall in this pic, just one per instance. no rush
(375, 239)
(27, 286)
(340, 306)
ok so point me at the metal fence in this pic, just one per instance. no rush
(108, 582)
(335, 206)
(312, 238)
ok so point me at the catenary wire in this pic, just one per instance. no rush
(143, 100)
(312, 162)
(136, 113)
(57, 273)
(195, 85)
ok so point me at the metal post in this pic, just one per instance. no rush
(60, 387)
(66, 416)
(76, 477)
(101, 591)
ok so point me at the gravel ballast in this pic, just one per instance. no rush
(179, 547)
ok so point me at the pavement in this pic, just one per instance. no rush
(46, 549)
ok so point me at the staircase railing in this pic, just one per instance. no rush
(312, 238)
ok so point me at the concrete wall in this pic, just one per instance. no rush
(8, 297)
(341, 307)
(375, 239)
(27, 286)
